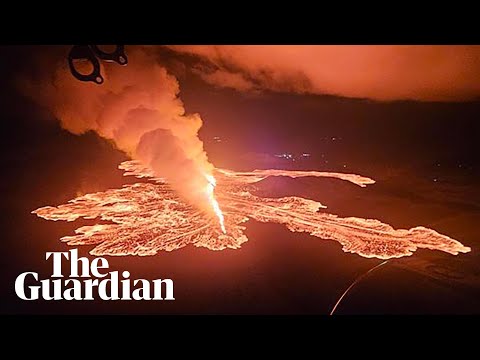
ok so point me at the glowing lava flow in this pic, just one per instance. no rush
(211, 197)
(148, 217)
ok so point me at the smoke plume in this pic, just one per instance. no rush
(399, 72)
(138, 109)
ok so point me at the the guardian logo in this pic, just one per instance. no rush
(95, 281)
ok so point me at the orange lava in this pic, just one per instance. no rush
(211, 198)
(148, 217)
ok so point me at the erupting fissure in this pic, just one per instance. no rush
(148, 217)
(211, 197)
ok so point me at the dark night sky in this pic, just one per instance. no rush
(424, 154)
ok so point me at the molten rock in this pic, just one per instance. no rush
(149, 217)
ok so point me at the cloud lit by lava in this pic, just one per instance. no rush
(379, 72)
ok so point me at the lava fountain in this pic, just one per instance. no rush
(211, 197)
(147, 217)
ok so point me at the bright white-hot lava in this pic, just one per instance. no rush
(211, 197)
(148, 217)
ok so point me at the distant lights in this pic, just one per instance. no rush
(292, 157)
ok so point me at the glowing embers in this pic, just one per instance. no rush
(148, 217)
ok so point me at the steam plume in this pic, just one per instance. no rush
(139, 110)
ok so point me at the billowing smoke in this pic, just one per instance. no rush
(138, 109)
(424, 73)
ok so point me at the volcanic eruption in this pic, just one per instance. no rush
(185, 200)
